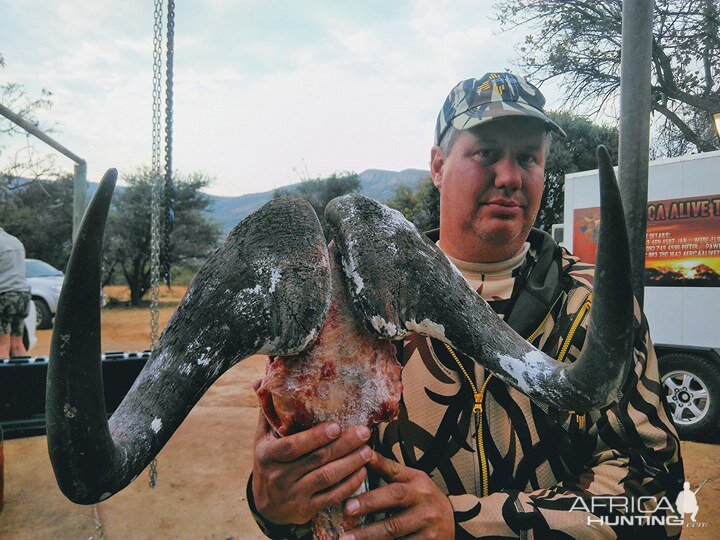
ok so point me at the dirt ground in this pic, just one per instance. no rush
(203, 470)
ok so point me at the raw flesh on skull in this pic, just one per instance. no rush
(348, 376)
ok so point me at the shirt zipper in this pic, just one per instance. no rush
(573, 328)
(480, 396)
(477, 410)
(579, 417)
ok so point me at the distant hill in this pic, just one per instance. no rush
(381, 185)
(375, 183)
(229, 211)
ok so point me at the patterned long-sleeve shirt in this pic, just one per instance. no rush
(511, 468)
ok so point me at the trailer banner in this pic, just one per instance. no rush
(682, 241)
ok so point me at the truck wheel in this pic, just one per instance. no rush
(44, 316)
(692, 385)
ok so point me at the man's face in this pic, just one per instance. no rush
(490, 187)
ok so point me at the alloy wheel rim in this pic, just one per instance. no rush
(687, 395)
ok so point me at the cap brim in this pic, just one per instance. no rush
(483, 114)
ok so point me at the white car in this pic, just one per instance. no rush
(45, 283)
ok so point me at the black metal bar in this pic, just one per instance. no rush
(637, 20)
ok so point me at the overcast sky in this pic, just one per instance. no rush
(262, 87)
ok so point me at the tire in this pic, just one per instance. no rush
(44, 316)
(692, 384)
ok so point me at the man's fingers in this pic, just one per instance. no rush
(292, 447)
(264, 429)
(350, 441)
(423, 507)
(397, 526)
(390, 471)
(339, 493)
(380, 499)
(334, 472)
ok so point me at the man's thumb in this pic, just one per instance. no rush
(264, 428)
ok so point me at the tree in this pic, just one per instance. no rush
(320, 191)
(421, 206)
(40, 214)
(25, 164)
(575, 153)
(128, 237)
(579, 41)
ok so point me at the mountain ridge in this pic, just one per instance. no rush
(378, 184)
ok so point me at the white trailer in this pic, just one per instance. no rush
(682, 292)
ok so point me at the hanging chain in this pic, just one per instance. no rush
(155, 173)
(157, 186)
(169, 190)
(98, 523)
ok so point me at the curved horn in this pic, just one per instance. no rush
(401, 282)
(266, 290)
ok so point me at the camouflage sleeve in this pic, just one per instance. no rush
(272, 530)
(627, 487)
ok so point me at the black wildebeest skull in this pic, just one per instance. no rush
(267, 290)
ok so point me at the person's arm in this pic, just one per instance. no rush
(636, 454)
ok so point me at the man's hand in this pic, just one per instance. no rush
(419, 508)
(296, 476)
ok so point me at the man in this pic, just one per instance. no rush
(14, 296)
(469, 456)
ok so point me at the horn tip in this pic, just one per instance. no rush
(602, 152)
(110, 175)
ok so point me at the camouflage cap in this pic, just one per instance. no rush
(477, 101)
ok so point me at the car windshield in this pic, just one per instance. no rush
(35, 268)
